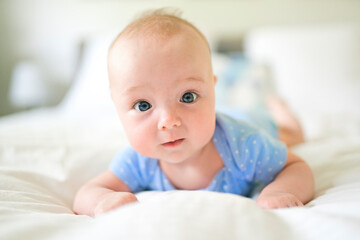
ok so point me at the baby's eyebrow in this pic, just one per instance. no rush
(130, 89)
(134, 88)
(196, 79)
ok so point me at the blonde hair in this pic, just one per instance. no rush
(160, 23)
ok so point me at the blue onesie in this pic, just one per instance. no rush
(250, 155)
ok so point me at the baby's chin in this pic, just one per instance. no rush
(174, 156)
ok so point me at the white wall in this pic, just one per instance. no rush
(49, 31)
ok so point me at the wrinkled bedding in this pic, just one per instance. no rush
(45, 157)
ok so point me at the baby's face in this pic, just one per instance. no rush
(164, 94)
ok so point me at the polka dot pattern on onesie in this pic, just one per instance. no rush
(250, 156)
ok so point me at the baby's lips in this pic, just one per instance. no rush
(174, 143)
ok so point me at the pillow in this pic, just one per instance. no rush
(315, 69)
(90, 92)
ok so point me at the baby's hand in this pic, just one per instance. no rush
(278, 200)
(113, 200)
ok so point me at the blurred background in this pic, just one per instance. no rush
(42, 41)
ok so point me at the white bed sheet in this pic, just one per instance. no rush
(45, 157)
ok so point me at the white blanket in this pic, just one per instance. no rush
(45, 158)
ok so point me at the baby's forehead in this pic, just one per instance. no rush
(133, 49)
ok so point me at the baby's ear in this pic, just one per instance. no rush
(215, 79)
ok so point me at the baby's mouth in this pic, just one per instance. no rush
(173, 144)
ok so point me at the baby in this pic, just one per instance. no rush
(163, 87)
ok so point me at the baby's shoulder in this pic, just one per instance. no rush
(237, 133)
(231, 126)
(132, 157)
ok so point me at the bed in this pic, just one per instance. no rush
(47, 154)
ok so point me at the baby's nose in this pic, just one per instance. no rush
(169, 119)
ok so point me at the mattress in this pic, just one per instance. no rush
(45, 157)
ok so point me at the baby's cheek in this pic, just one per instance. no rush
(141, 140)
(204, 127)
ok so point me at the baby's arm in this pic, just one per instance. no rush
(293, 186)
(102, 194)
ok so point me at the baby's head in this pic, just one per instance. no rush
(162, 85)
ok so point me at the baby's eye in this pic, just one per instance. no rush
(189, 97)
(142, 106)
